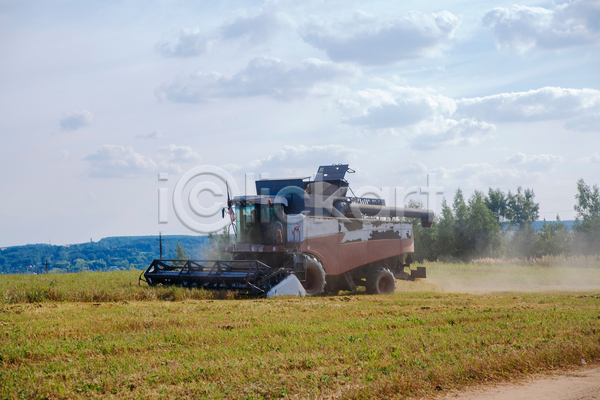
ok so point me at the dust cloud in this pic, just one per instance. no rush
(418, 286)
(482, 278)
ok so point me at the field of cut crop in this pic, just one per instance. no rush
(103, 336)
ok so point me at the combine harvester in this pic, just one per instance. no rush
(302, 237)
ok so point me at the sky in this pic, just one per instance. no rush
(97, 98)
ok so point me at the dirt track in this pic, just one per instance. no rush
(575, 385)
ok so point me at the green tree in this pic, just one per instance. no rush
(521, 211)
(424, 238)
(461, 222)
(60, 267)
(218, 241)
(587, 222)
(467, 230)
(496, 203)
(445, 239)
(181, 255)
(523, 242)
(483, 229)
(554, 238)
(79, 265)
(97, 265)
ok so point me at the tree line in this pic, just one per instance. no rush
(111, 253)
(499, 224)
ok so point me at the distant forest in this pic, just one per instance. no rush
(108, 254)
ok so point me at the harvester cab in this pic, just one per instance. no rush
(300, 236)
(259, 219)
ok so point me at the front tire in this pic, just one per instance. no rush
(381, 281)
(315, 277)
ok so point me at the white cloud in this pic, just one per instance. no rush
(304, 160)
(397, 106)
(255, 29)
(114, 161)
(547, 103)
(541, 162)
(480, 174)
(190, 43)
(416, 168)
(76, 119)
(182, 154)
(91, 197)
(593, 159)
(450, 133)
(248, 29)
(523, 28)
(151, 135)
(263, 76)
(370, 40)
(394, 106)
(65, 155)
(420, 114)
(584, 123)
(430, 120)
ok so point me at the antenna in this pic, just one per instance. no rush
(160, 244)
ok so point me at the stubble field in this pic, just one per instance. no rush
(100, 335)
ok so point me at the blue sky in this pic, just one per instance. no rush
(98, 97)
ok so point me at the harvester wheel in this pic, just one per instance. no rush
(381, 281)
(315, 277)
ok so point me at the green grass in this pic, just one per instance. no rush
(570, 274)
(90, 287)
(102, 336)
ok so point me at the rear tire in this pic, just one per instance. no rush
(315, 277)
(381, 281)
